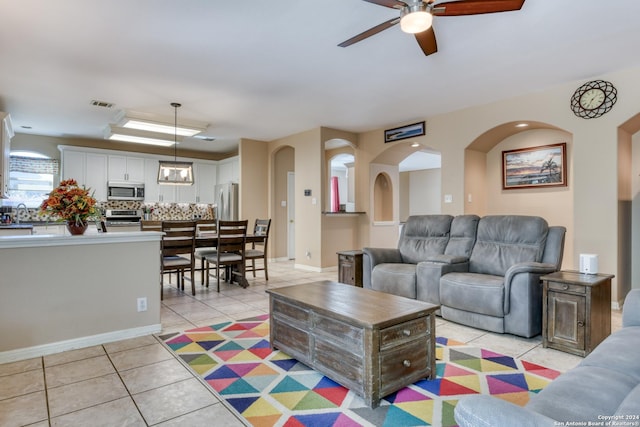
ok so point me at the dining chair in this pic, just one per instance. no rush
(148, 225)
(205, 227)
(178, 246)
(232, 239)
(259, 248)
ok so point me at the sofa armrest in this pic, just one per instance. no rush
(534, 269)
(487, 411)
(374, 256)
(446, 259)
(631, 309)
(429, 273)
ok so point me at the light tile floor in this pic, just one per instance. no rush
(138, 382)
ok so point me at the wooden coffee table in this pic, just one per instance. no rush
(373, 343)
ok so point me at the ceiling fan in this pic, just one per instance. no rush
(416, 17)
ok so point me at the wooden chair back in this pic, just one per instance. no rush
(148, 225)
(179, 238)
(232, 237)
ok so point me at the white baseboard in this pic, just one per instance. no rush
(76, 343)
(307, 268)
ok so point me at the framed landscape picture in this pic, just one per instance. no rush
(404, 132)
(543, 166)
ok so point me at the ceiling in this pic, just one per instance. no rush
(267, 69)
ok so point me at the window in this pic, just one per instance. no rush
(31, 178)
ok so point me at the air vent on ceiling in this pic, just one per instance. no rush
(205, 138)
(103, 104)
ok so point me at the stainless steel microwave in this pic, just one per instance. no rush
(125, 190)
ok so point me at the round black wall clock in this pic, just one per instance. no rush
(593, 99)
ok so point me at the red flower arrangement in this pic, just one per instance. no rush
(70, 203)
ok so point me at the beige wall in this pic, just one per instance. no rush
(309, 170)
(424, 187)
(593, 168)
(555, 204)
(254, 183)
(404, 206)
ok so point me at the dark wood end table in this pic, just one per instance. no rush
(576, 313)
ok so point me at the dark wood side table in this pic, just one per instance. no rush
(350, 267)
(576, 313)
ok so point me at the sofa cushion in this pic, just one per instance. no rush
(583, 394)
(462, 236)
(424, 235)
(630, 406)
(394, 278)
(476, 293)
(613, 353)
(505, 240)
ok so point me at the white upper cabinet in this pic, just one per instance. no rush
(6, 133)
(93, 167)
(126, 168)
(154, 192)
(88, 169)
(228, 170)
(206, 183)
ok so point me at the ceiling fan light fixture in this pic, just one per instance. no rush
(415, 18)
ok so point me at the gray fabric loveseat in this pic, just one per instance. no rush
(604, 389)
(483, 272)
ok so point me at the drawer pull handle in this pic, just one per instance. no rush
(406, 332)
(406, 363)
(565, 287)
(580, 323)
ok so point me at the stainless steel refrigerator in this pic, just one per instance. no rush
(227, 202)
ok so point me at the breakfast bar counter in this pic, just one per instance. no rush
(61, 292)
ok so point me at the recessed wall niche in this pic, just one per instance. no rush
(382, 198)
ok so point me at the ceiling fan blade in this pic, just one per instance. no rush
(370, 32)
(475, 7)
(427, 41)
(388, 3)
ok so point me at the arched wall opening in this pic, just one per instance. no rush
(483, 180)
(628, 274)
(283, 162)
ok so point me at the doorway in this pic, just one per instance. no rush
(291, 215)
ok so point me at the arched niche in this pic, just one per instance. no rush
(382, 198)
(340, 164)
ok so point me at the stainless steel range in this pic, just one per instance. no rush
(123, 217)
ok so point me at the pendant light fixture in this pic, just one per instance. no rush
(175, 172)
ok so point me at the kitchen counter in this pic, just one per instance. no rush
(61, 292)
(16, 225)
(42, 240)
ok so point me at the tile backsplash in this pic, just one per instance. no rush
(156, 211)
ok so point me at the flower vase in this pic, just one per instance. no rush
(77, 229)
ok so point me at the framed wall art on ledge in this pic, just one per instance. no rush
(543, 166)
(404, 132)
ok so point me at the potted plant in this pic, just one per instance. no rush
(71, 203)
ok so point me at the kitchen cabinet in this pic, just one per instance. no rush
(6, 133)
(154, 192)
(89, 169)
(228, 170)
(126, 168)
(203, 188)
(202, 191)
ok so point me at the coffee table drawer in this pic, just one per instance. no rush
(293, 341)
(338, 363)
(403, 365)
(289, 310)
(351, 336)
(404, 332)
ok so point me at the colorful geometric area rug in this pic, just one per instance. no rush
(269, 388)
